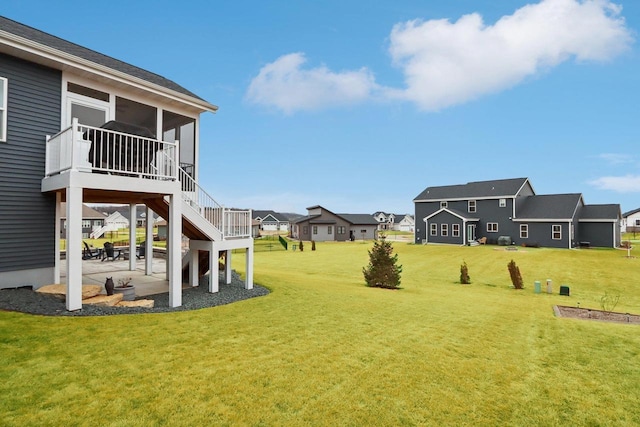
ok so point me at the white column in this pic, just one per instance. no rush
(58, 215)
(213, 268)
(227, 266)
(174, 251)
(132, 235)
(248, 284)
(194, 267)
(148, 244)
(74, 248)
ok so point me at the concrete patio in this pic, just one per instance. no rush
(95, 272)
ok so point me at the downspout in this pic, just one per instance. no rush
(464, 232)
(426, 232)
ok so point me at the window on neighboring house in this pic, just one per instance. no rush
(637, 222)
(330, 229)
(455, 230)
(444, 229)
(471, 205)
(443, 205)
(556, 232)
(86, 223)
(524, 231)
(363, 231)
(97, 223)
(305, 229)
(315, 229)
(3, 109)
(341, 229)
(433, 229)
(85, 235)
(502, 203)
(492, 227)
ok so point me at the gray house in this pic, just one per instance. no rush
(509, 211)
(80, 127)
(91, 220)
(323, 225)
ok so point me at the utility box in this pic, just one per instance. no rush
(549, 286)
(537, 288)
(564, 290)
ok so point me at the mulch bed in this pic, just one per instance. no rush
(590, 314)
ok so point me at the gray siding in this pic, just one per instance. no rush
(26, 215)
(600, 234)
(540, 234)
(449, 220)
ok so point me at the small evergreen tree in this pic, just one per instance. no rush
(301, 246)
(383, 270)
(516, 278)
(313, 245)
(464, 274)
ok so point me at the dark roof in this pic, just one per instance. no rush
(70, 48)
(478, 189)
(626, 214)
(305, 218)
(359, 219)
(87, 212)
(460, 214)
(550, 206)
(600, 212)
(264, 213)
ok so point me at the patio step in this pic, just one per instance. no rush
(103, 300)
(60, 290)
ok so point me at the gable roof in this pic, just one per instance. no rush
(474, 190)
(609, 212)
(548, 207)
(16, 37)
(87, 212)
(627, 214)
(359, 219)
(262, 214)
(462, 215)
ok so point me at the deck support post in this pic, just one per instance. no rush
(174, 233)
(133, 224)
(74, 248)
(148, 244)
(227, 267)
(248, 284)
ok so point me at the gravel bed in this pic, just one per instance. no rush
(25, 300)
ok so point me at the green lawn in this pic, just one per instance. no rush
(322, 349)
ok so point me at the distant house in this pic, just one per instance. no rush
(385, 220)
(117, 221)
(509, 211)
(631, 221)
(321, 224)
(91, 220)
(404, 223)
(271, 221)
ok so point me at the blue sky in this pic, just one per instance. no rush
(358, 106)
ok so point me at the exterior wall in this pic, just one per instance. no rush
(600, 234)
(633, 222)
(86, 231)
(540, 234)
(27, 217)
(489, 211)
(450, 220)
(363, 231)
(422, 210)
(323, 232)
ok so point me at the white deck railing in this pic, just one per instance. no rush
(232, 223)
(91, 149)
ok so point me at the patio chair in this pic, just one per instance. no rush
(110, 252)
(87, 253)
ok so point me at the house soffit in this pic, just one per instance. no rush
(34, 52)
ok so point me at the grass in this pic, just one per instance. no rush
(324, 349)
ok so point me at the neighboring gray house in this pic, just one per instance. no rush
(508, 210)
(77, 126)
(321, 225)
(271, 221)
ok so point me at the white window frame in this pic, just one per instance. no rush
(433, 229)
(637, 223)
(492, 227)
(556, 228)
(3, 109)
(502, 203)
(329, 229)
(444, 205)
(444, 230)
(314, 230)
(472, 206)
(524, 231)
(455, 230)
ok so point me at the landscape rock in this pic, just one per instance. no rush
(103, 300)
(144, 303)
(60, 290)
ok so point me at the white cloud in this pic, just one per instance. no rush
(447, 63)
(285, 85)
(616, 159)
(621, 184)
(451, 63)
